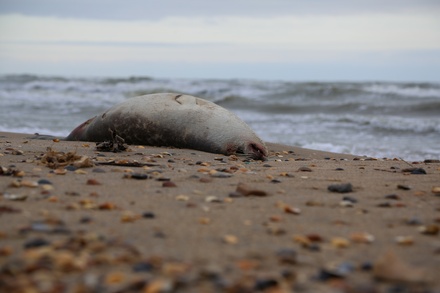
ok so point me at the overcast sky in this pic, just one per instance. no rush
(263, 39)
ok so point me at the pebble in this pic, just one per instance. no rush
(93, 182)
(137, 176)
(37, 242)
(340, 188)
(44, 182)
(287, 256)
(246, 190)
(362, 237)
(429, 229)
(98, 170)
(340, 242)
(230, 239)
(220, 174)
(392, 196)
(350, 199)
(15, 197)
(403, 187)
(436, 190)
(148, 215)
(304, 169)
(169, 184)
(404, 240)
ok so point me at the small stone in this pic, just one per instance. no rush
(362, 237)
(429, 229)
(98, 170)
(403, 187)
(404, 240)
(392, 196)
(212, 198)
(230, 239)
(287, 256)
(340, 188)
(248, 191)
(436, 190)
(137, 176)
(60, 171)
(148, 215)
(169, 184)
(128, 217)
(304, 169)
(340, 242)
(346, 204)
(15, 197)
(221, 174)
(93, 182)
(37, 242)
(44, 182)
(350, 199)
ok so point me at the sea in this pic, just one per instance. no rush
(375, 119)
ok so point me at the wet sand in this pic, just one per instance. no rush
(155, 219)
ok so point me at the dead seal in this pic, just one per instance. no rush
(173, 120)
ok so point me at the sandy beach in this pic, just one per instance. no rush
(150, 219)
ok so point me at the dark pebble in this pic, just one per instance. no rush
(350, 199)
(264, 284)
(384, 205)
(325, 275)
(340, 188)
(37, 242)
(143, 267)
(163, 179)
(148, 215)
(169, 184)
(236, 194)
(44, 181)
(314, 247)
(403, 187)
(366, 266)
(431, 161)
(287, 256)
(305, 169)
(392, 196)
(418, 171)
(171, 161)
(139, 176)
(275, 181)
(8, 209)
(415, 171)
(339, 169)
(85, 220)
(267, 165)
(413, 221)
(71, 168)
(72, 193)
(98, 170)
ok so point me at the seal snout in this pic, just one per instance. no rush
(256, 151)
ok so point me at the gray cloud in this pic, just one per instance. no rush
(149, 9)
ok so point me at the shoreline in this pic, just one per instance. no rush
(155, 218)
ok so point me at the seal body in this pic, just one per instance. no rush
(175, 120)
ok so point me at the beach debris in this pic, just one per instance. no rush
(304, 169)
(390, 267)
(340, 188)
(246, 190)
(436, 190)
(116, 145)
(57, 160)
(288, 209)
(10, 172)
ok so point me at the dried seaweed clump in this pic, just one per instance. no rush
(55, 160)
